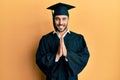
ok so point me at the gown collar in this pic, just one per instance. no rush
(55, 32)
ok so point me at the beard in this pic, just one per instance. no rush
(57, 28)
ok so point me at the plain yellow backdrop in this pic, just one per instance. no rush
(23, 22)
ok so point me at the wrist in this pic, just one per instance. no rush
(58, 56)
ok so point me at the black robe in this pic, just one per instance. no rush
(77, 56)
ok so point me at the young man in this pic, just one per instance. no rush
(62, 54)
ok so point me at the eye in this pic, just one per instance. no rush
(56, 19)
(64, 19)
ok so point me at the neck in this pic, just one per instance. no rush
(62, 33)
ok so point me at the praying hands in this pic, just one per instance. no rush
(61, 49)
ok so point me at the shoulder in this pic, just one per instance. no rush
(77, 35)
(48, 35)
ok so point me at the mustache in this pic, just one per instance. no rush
(60, 25)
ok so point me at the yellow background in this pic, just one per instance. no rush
(23, 22)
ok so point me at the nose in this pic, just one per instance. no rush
(60, 22)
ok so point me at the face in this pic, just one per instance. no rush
(61, 22)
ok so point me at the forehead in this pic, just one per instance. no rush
(61, 16)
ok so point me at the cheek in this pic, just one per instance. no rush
(66, 22)
(56, 22)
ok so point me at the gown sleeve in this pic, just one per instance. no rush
(44, 58)
(77, 60)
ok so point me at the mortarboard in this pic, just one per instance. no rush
(60, 9)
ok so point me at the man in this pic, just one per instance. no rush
(62, 54)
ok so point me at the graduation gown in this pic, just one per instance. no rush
(77, 56)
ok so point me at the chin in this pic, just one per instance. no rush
(61, 30)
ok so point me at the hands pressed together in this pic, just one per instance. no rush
(61, 49)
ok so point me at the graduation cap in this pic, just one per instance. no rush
(60, 9)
